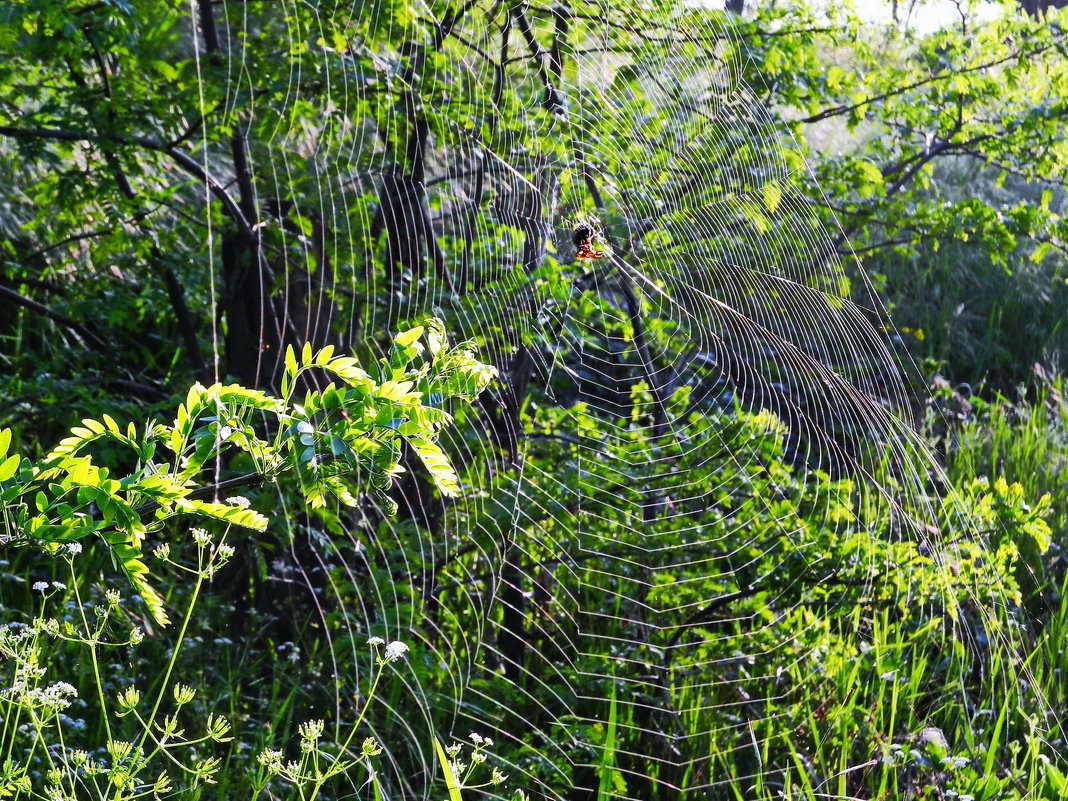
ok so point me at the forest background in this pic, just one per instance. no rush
(762, 498)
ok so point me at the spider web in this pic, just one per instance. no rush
(700, 466)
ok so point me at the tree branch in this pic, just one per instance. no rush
(176, 293)
(210, 491)
(91, 339)
(554, 101)
(838, 111)
(183, 160)
(887, 243)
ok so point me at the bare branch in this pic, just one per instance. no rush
(91, 339)
(554, 101)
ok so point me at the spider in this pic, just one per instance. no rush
(583, 238)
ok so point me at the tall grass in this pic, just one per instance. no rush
(1025, 442)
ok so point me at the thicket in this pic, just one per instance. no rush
(667, 523)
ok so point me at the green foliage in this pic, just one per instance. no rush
(155, 742)
(788, 573)
(333, 440)
(1023, 444)
(147, 743)
(252, 175)
(940, 151)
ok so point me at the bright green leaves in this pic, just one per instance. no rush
(771, 194)
(9, 464)
(408, 338)
(869, 177)
(435, 461)
(129, 556)
(754, 216)
(339, 442)
(235, 515)
(359, 428)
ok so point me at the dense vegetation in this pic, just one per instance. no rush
(676, 514)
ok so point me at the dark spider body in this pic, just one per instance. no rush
(583, 241)
(583, 236)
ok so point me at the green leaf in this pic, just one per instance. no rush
(772, 195)
(406, 338)
(870, 172)
(235, 515)
(755, 216)
(435, 336)
(437, 463)
(291, 361)
(175, 440)
(9, 466)
(303, 223)
(397, 391)
(322, 358)
(1040, 251)
(446, 770)
(130, 559)
(165, 69)
(93, 425)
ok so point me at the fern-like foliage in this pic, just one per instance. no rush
(340, 441)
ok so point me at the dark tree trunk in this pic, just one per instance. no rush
(254, 331)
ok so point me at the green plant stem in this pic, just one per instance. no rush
(332, 770)
(174, 655)
(92, 643)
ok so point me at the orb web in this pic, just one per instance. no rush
(698, 484)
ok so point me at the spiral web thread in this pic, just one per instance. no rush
(594, 593)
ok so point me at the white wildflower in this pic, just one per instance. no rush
(128, 699)
(395, 650)
(271, 759)
(311, 730)
(271, 755)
